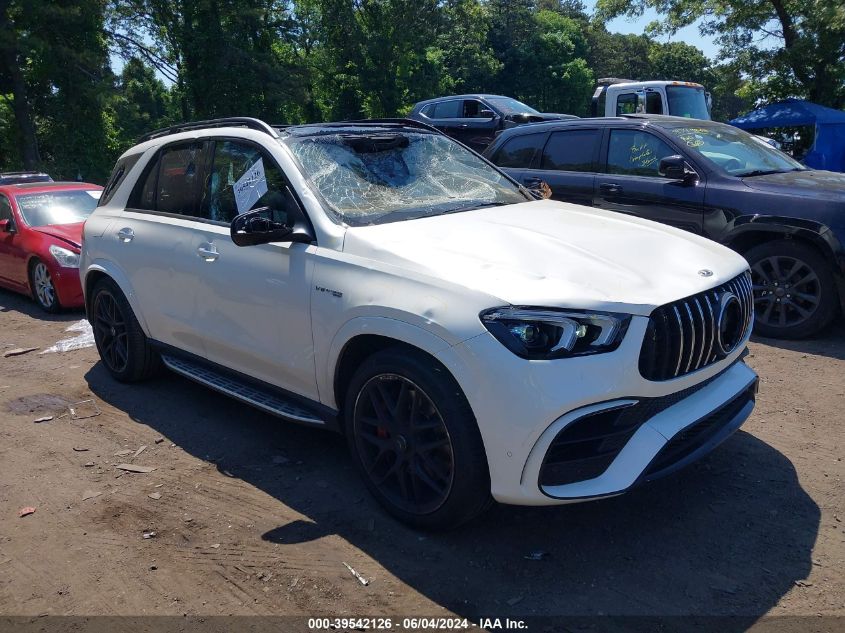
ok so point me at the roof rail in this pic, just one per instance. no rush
(348, 122)
(237, 121)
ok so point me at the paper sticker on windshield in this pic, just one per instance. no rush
(250, 187)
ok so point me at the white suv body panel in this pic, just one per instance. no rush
(283, 313)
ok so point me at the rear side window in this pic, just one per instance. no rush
(635, 153)
(118, 175)
(571, 150)
(448, 110)
(170, 183)
(428, 110)
(519, 151)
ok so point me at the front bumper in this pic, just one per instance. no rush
(68, 287)
(522, 406)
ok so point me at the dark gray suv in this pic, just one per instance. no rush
(475, 119)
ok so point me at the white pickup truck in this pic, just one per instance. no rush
(615, 97)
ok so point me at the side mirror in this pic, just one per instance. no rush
(7, 226)
(260, 227)
(486, 114)
(676, 168)
(538, 188)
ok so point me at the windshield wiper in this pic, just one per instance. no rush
(766, 172)
(473, 207)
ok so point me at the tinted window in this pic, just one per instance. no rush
(448, 110)
(5, 209)
(626, 103)
(178, 175)
(144, 194)
(117, 176)
(243, 178)
(572, 150)
(519, 151)
(653, 103)
(428, 110)
(473, 108)
(635, 153)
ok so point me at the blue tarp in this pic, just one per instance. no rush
(828, 150)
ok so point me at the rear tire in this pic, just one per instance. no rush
(43, 290)
(124, 348)
(795, 293)
(415, 440)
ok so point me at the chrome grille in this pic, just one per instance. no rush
(685, 335)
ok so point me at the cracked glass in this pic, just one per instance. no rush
(376, 177)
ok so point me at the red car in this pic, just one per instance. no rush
(40, 235)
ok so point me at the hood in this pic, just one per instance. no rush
(536, 118)
(812, 183)
(70, 233)
(552, 254)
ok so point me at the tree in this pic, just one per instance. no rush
(141, 102)
(788, 47)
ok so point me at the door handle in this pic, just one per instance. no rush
(610, 188)
(208, 252)
(126, 235)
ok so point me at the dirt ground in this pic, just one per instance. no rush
(256, 516)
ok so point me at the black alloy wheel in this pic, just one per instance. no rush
(403, 443)
(110, 332)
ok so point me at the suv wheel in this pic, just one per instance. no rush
(414, 437)
(124, 348)
(42, 287)
(794, 289)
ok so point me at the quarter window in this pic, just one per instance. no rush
(117, 176)
(243, 178)
(636, 153)
(571, 150)
(428, 110)
(519, 151)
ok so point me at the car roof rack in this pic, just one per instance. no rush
(238, 121)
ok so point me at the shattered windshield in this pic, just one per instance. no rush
(735, 151)
(375, 177)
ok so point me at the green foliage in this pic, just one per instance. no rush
(785, 47)
(63, 109)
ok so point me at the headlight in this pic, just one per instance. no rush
(64, 257)
(546, 333)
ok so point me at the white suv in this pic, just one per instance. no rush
(379, 279)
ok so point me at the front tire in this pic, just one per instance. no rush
(43, 290)
(795, 292)
(124, 348)
(415, 440)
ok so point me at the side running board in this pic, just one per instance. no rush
(255, 396)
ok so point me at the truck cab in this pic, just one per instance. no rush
(617, 97)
